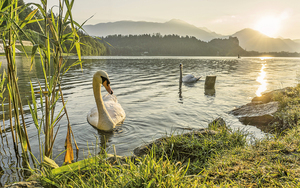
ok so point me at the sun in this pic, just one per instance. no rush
(268, 26)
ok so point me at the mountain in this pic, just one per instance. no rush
(175, 26)
(252, 40)
(297, 41)
(249, 39)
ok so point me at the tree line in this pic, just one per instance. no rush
(171, 45)
(90, 45)
(174, 45)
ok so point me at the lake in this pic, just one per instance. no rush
(148, 90)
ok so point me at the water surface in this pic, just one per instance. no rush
(148, 90)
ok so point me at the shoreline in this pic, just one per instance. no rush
(215, 130)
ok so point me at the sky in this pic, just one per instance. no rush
(275, 18)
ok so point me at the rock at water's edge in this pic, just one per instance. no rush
(254, 110)
(257, 114)
(219, 122)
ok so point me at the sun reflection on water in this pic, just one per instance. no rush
(264, 58)
(262, 81)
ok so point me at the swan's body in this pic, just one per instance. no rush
(188, 78)
(108, 112)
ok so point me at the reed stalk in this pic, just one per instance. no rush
(10, 28)
(2, 90)
(59, 32)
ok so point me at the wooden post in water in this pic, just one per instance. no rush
(209, 85)
(210, 82)
(180, 76)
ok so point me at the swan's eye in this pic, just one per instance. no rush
(103, 80)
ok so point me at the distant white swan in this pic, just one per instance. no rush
(108, 112)
(188, 78)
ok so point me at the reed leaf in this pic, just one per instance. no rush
(69, 156)
(50, 163)
(73, 64)
(5, 5)
(34, 110)
(44, 71)
(28, 19)
(2, 81)
(52, 23)
(57, 117)
(34, 49)
(23, 139)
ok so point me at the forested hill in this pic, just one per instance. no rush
(90, 45)
(172, 45)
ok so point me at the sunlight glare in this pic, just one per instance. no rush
(264, 58)
(268, 26)
(262, 81)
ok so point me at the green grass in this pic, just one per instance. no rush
(288, 114)
(271, 162)
(224, 159)
(178, 161)
(198, 149)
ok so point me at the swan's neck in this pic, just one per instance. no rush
(104, 120)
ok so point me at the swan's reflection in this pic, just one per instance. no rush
(180, 83)
(104, 138)
(262, 81)
(180, 91)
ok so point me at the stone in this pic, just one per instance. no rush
(219, 122)
(261, 109)
(258, 114)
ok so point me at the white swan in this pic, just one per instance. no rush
(188, 78)
(108, 112)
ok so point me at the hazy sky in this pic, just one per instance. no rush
(272, 17)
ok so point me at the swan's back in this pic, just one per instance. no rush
(190, 78)
(114, 109)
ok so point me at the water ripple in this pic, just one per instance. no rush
(148, 90)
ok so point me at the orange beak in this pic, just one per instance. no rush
(107, 87)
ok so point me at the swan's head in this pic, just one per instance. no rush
(180, 65)
(102, 78)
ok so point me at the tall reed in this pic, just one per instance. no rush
(10, 28)
(60, 34)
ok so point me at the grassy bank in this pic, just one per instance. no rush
(223, 159)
